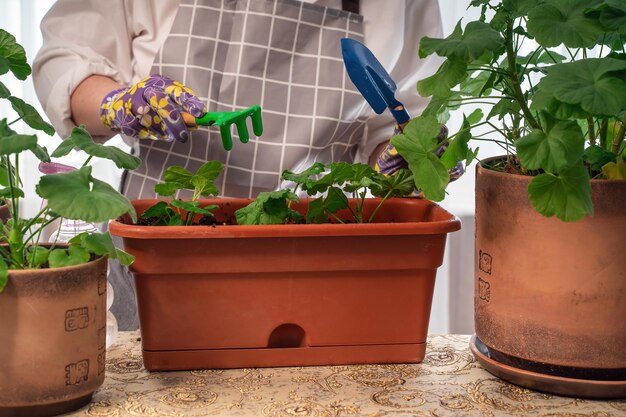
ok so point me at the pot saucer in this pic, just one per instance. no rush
(570, 387)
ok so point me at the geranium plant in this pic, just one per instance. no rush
(73, 195)
(558, 111)
(332, 183)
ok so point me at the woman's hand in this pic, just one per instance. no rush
(389, 160)
(151, 109)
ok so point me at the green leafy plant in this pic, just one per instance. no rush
(176, 178)
(560, 117)
(72, 195)
(332, 182)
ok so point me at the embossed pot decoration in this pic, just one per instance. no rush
(234, 296)
(550, 296)
(52, 351)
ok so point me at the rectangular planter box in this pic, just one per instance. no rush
(287, 295)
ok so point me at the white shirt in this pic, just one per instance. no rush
(120, 38)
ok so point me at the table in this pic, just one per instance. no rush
(449, 382)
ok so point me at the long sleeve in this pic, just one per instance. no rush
(393, 34)
(115, 38)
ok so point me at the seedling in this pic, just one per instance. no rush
(175, 179)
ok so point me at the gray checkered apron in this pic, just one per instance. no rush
(284, 55)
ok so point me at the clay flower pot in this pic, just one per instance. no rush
(287, 295)
(550, 296)
(52, 339)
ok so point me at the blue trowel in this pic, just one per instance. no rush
(372, 80)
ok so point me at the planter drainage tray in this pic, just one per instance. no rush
(232, 296)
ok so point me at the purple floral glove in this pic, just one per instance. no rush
(389, 161)
(151, 109)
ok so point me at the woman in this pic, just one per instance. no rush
(283, 55)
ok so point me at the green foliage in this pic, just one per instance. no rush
(73, 195)
(334, 182)
(269, 208)
(175, 179)
(562, 114)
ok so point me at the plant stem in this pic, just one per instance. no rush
(592, 132)
(379, 206)
(87, 161)
(604, 129)
(514, 77)
(15, 121)
(619, 137)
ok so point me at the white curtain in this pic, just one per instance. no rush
(452, 309)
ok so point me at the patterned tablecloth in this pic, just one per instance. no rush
(448, 383)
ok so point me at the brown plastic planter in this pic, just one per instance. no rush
(550, 296)
(287, 295)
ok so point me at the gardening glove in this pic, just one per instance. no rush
(151, 109)
(389, 161)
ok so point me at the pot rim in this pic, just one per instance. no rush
(451, 224)
(61, 269)
(480, 167)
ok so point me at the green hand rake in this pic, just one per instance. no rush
(225, 119)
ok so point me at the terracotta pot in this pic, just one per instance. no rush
(287, 295)
(52, 339)
(550, 296)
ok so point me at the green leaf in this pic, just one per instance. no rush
(477, 39)
(5, 66)
(338, 174)
(561, 145)
(157, 210)
(4, 91)
(268, 208)
(564, 22)
(519, 8)
(41, 152)
(399, 184)
(190, 206)
(15, 54)
(597, 85)
(4, 274)
(178, 175)
(613, 16)
(458, 149)
(503, 108)
(167, 189)
(204, 179)
(615, 170)
(449, 74)
(80, 138)
(304, 178)
(17, 143)
(37, 256)
(316, 213)
(417, 145)
(597, 157)
(30, 115)
(74, 255)
(64, 148)
(77, 195)
(14, 191)
(101, 244)
(545, 100)
(568, 195)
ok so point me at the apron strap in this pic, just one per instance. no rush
(350, 6)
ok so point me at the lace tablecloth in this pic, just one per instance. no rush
(449, 382)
